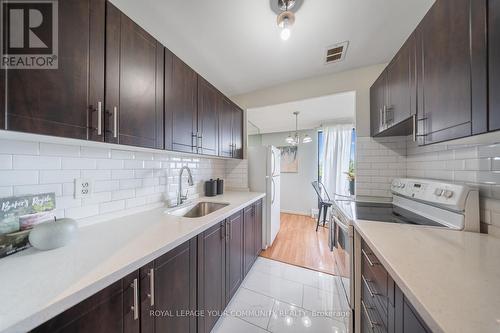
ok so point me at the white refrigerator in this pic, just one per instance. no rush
(264, 176)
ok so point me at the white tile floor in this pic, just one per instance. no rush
(277, 297)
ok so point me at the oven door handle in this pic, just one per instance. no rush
(341, 224)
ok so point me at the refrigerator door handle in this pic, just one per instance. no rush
(273, 161)
(274, 190)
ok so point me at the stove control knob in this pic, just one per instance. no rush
(448, 194)
(438, 192)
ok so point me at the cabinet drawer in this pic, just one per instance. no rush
(370, 320)
(374, 271)
(373, 299)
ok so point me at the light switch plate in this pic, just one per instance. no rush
(83, 188)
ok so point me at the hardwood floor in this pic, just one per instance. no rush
(297, 243)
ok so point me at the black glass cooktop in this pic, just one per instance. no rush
(387, 212)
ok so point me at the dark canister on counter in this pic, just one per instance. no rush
(210, 188)
(220, 186)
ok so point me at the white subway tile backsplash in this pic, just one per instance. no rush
(18, 177)
(124, 180)
(133, 164)
(109, 164)
(37, 189)
(78, 163)
(82, 212)
(6, 191)
(58, 176)
(94, 152)
(19, 147)
(26, 162)
(5, 162)
(111, 206)
(122, 154)
(51, 149)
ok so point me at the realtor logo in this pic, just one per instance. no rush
(29, 34)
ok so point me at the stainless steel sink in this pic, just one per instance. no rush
(198, 210)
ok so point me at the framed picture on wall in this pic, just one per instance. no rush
(289, 161)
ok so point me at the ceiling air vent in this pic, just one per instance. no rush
(336, 53)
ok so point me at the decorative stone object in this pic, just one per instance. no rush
(52, 235)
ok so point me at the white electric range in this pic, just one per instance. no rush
(422, 202)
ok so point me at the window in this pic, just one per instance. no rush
(320, 156)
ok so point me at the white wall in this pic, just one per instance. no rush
(358, 80)
(297, 193)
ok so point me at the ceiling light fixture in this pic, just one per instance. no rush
(286, 18)
(295, 139)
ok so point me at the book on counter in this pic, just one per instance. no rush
(18, 215)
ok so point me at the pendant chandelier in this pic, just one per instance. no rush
(295, 139)
(285, 9)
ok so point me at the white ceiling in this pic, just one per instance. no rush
(313, 113)
(235, 44)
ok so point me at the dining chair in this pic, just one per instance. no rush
(324, 201)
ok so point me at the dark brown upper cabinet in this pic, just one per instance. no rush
(393, 95)
(494, 64)
(452, 74)
(230, 130)
(182, 106)
(63, 101)
(134, 83)
(209, 105)
(439, 76)
(377, 104)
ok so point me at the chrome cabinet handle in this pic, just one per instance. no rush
(365, 281)
(370, 322)
(99, 118)
(135, 307)
(151, 294)
(381, 114)
(115, 122)
(371, 263)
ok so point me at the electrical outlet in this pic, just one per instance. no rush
(83, 188)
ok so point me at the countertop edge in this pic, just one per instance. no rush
(419, 306)
(56, 308)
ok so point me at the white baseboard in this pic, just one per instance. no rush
(295, 212)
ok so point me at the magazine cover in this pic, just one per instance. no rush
(18, 215)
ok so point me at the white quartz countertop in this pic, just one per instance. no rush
(452, 278)
(36, 285)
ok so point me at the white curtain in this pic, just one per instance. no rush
(336, 156)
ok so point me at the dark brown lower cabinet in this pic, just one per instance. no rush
(211, 276)
(234, 254)
(184, 290)
(384, 307)
(258, 228)
(173, 277)
(249, 238)
(110, 310)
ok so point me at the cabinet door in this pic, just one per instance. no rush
(258, 228)
(209, 104)
(237, 132)
(134, 83)
(406, 318)
(249, 238)
(63, 101)
(226, 129)
(399, 97)
(211, 276)
(168, 98)
(452, 72)
(377, 103)
(110, 310)
(174, 280)
(183, 106)
(494, 64)
(234, 254)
